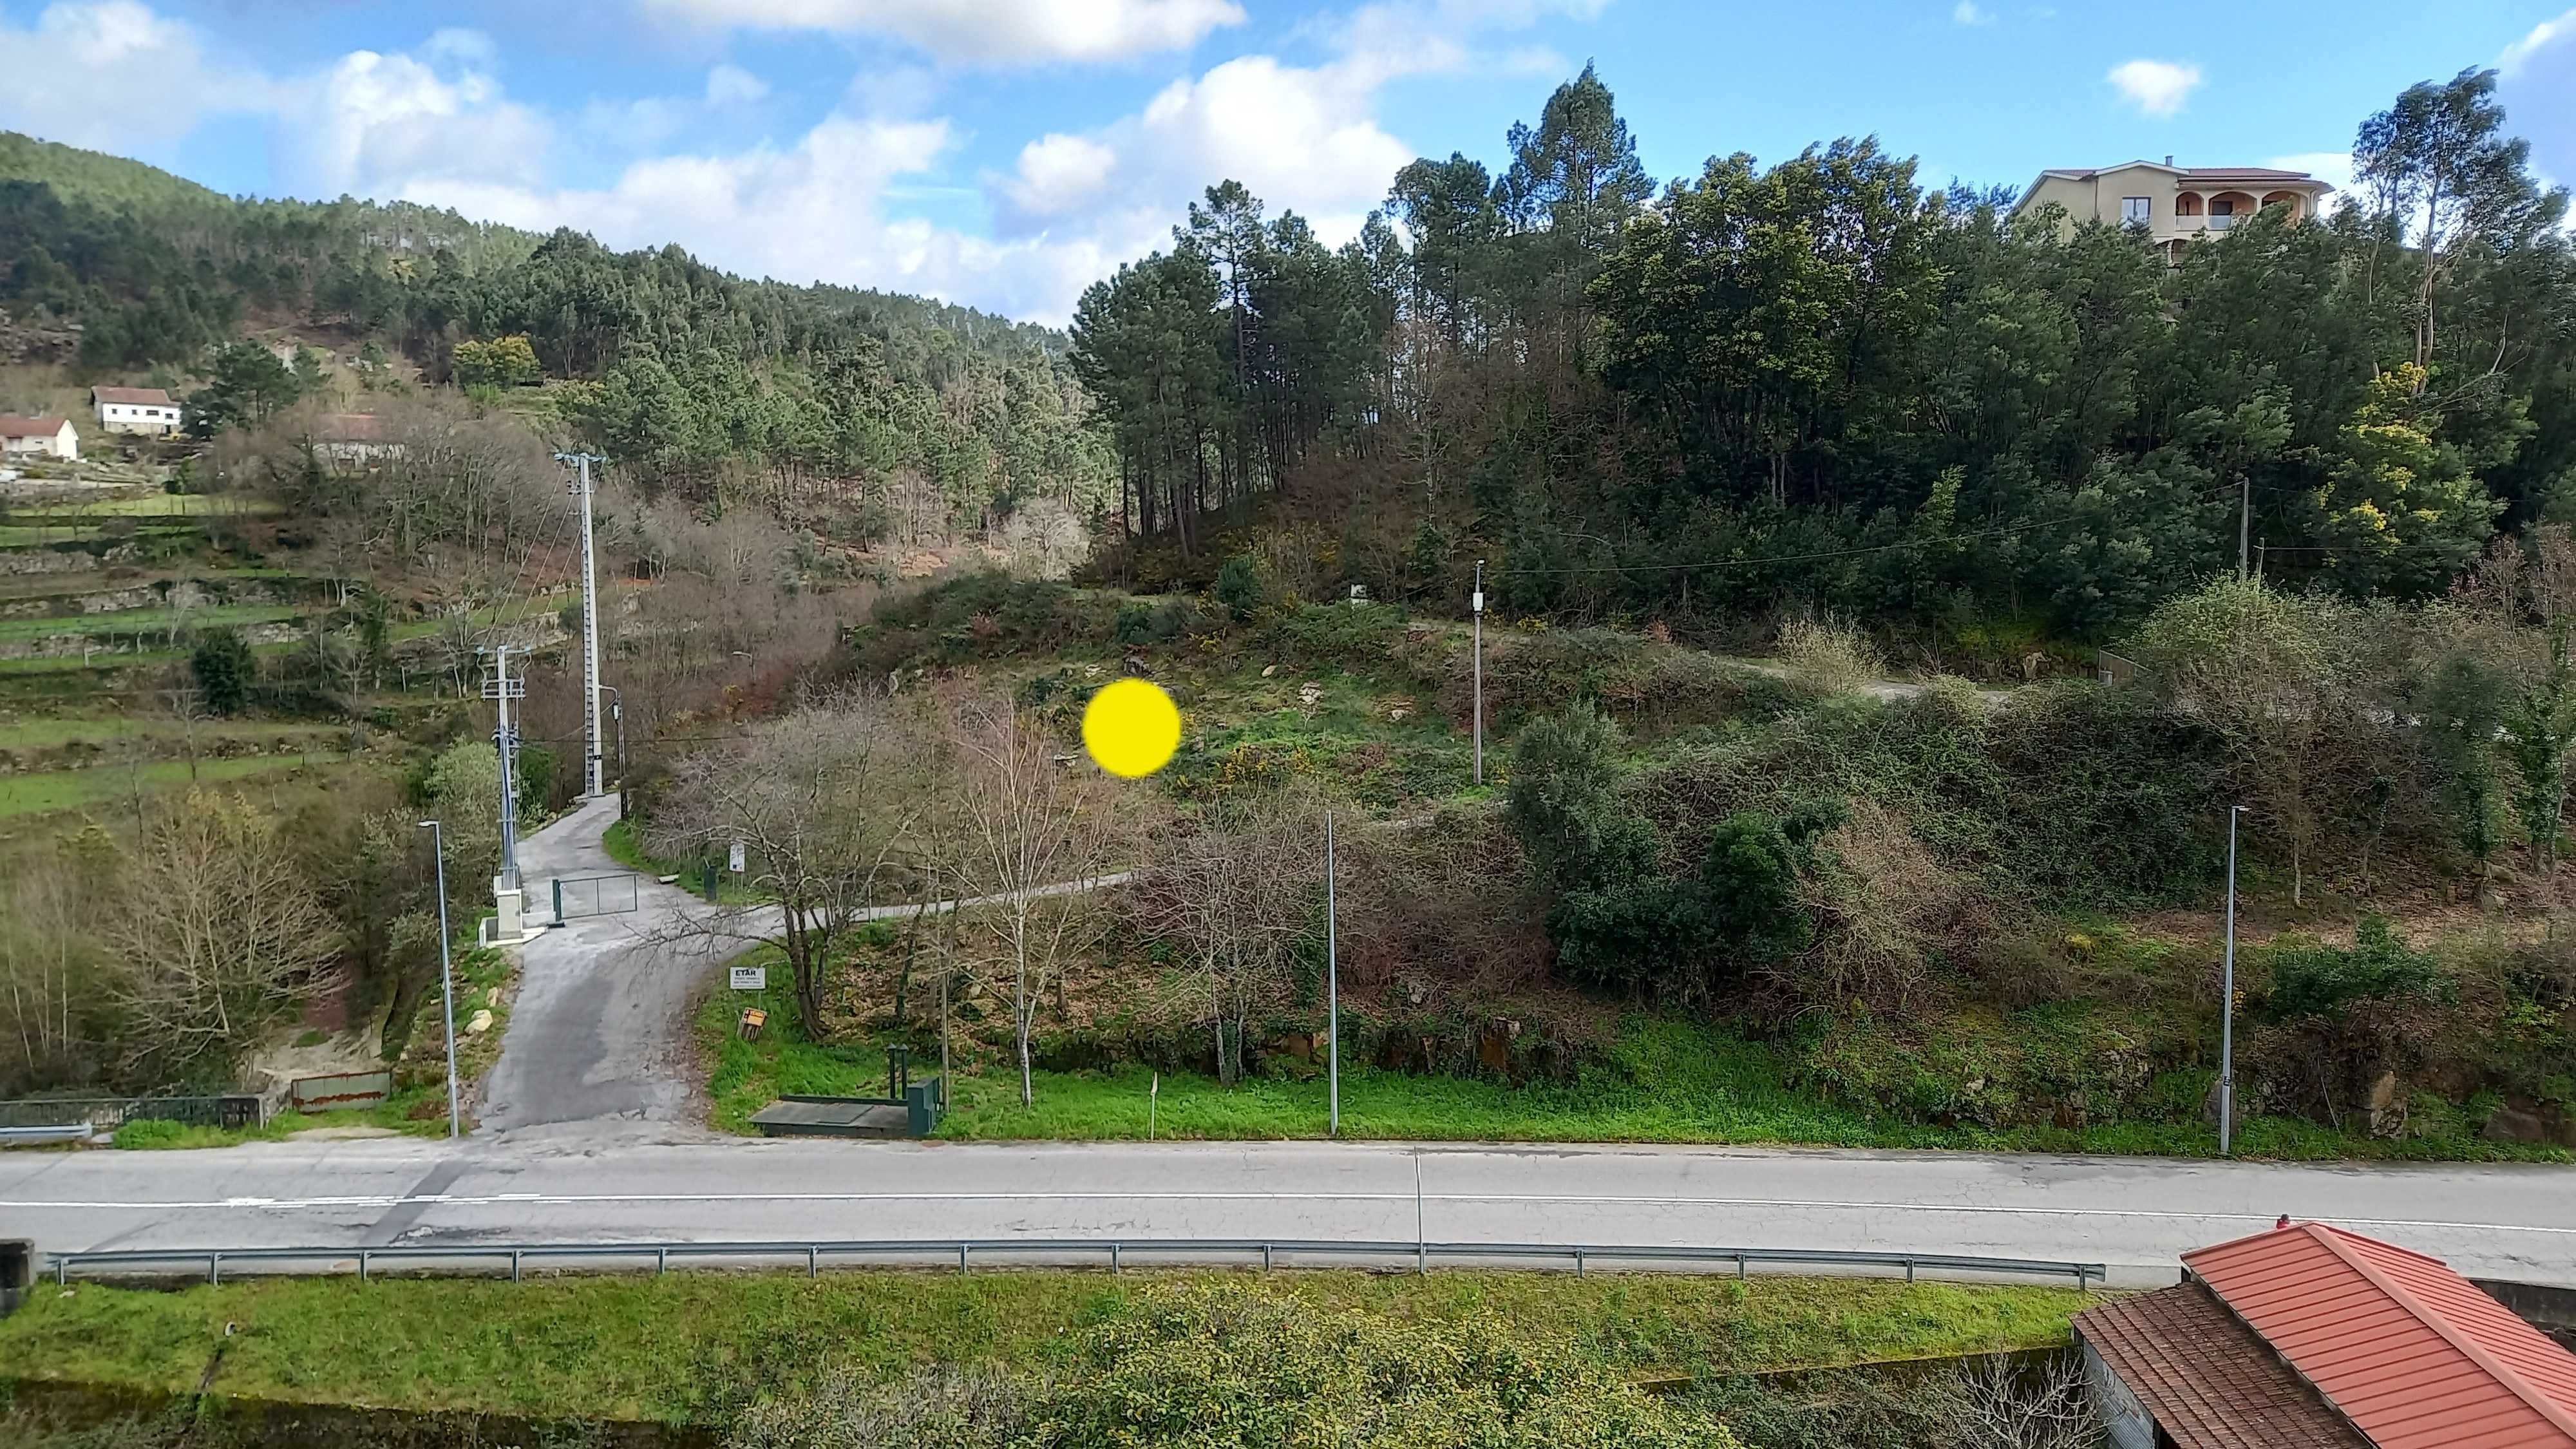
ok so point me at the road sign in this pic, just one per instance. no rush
(751, 978)
(733, 862)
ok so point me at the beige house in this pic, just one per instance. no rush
(2174, 204)
(38, 438)
(145, 410)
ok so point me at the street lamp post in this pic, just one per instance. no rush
(446, 970)
(617, 714)
(1332, 983)
(1476, 606)
(2227, 1002)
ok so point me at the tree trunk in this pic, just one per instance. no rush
(410, 987)
(1026, 1023)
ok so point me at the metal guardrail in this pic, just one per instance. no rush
(366, 1261)
(48, 1135)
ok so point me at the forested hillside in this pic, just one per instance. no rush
(690, 378)
(1823, 384)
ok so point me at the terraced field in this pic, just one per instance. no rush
(103, 597)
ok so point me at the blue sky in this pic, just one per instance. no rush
(1005, 152)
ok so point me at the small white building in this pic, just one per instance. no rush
(145, 410)
(38, 438)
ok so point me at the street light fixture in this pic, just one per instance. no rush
(446, 970)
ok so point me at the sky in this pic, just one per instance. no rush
(1006, 153)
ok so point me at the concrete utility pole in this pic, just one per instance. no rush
(506, 897)
(593, 748)
(2227, 1002)
(446, 973)
(1476, 605)
(1332, 983)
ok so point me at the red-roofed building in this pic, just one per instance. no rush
(2312, 1335)
(38, 438)
(146, 410)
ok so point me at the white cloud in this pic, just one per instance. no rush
(116, 74)
(2536, 81)
(373, 122)
(809, 212)
(2334, 168)
(1058, 172)
(731, 85)
(435, 124)
(2543, 36)
(1969, 12)
(985, 32)
(2156, 87)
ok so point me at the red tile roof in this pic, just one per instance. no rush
(350, 428)
(13, 426)
(2205, 1376)
(144, 396)
(2243, 173)
(2411, 1352)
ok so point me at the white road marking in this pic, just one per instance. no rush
(1525, 1199)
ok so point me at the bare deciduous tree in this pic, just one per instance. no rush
(1030, 833)
(1237, 895)
(47, 962)
(821, 803)
(214, 932)
(1998, 1405)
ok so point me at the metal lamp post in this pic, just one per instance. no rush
(2227, 1002)
(1332, 983)
(617, 714)
(446, 970)
(1476, 606)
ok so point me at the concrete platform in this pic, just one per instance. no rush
(832, 1117)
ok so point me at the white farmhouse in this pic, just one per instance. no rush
(38, 438)
(145, 410)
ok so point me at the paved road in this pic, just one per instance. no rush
(2137, 1215)
(598, 1047)
(598, 1042)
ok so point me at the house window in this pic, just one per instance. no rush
(2135, 210)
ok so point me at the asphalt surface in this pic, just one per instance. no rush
(2136, 1215)
(598, 1048)
(598, 1039)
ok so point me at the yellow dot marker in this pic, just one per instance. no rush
(1131, 728)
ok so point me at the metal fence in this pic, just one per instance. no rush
(1113, 1252)
(110, 1113)
(340, 1089)
(577, 897)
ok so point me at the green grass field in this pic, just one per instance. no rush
(1663, 1080)
(148, 505)
(54, 733)
(624, 848)
(54, 790)
(691, 1347)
